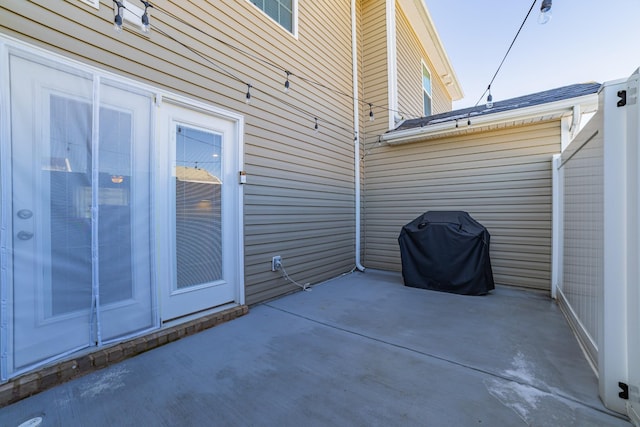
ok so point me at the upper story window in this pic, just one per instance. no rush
(426, 89)
(281, 11)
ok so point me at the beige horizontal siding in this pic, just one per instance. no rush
(440, 101)
(374, 78)
(375, 83)
(501, 177)
(374, 66)
(410, 55)
(299, 196)
(409, 63)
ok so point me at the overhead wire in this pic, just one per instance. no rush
(512, 42)
(250, 86)
(301, 78)
(201, 55)
(488, 89)
(279, 67)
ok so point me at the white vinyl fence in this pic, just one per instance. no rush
(580, 290)
(596, 256)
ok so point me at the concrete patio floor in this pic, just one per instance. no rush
(360, 350)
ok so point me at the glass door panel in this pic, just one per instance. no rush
(66, 169)
(124, 246)
(114, 206)
(51, 225)
(81, 213)
(201, 263)
(198, 207)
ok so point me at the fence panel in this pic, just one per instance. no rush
(580, 290)
(595, 246)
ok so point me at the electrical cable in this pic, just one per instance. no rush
(201, 55)
(491, 81)
(249, 86)
(488, 89)
(277, 66)
(233, 76)
(512, 43)
(285, 275)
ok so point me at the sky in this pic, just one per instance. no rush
(585, 41)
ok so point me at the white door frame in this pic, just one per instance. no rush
(8, 44)
(163, 215)
(44, 334)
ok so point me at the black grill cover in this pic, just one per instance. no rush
(446, 251)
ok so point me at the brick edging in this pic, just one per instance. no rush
(49, 376)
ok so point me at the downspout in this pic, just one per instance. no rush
(356, 129)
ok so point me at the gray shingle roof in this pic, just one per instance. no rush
(547, 96)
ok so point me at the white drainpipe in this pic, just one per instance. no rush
(356, 139)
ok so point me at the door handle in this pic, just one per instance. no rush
(24, 214)
(24, 235)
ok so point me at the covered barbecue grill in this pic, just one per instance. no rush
(446, 251)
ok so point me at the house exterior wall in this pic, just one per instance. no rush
(375, 80)
(501, 177)
(299, 196)
(411, 54)
(298, 201)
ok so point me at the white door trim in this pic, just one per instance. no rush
(10, 44)
(237, 122)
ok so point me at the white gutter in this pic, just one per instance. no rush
(356, 129)
(548, 111)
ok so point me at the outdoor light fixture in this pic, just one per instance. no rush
(117, 21)
(371, 118)
(489, 98)
(286, 84)
(315, 128)
(545, 12)
(145, 16)
(248, 97)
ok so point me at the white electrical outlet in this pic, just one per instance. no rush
(276, 263)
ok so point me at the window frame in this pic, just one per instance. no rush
(428, 93)
(294, 17)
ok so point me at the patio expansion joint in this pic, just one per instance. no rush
(446, 360)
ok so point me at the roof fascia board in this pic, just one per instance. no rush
(587, 103)
(418, 15)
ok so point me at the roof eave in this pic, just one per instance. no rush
(537, 113)
(418, 15)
